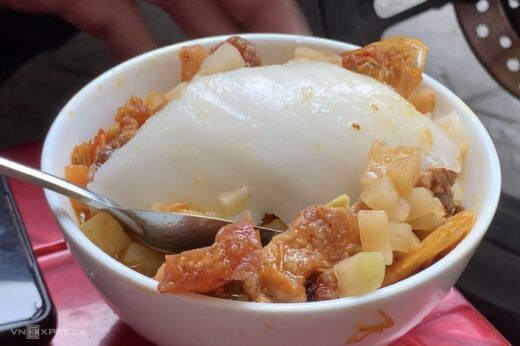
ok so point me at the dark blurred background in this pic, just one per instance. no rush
(44, 61)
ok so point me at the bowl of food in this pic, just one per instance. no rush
(381, 181)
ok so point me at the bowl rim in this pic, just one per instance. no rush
(459, 253)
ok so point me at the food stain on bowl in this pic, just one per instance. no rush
(118, 83)
(364, 330)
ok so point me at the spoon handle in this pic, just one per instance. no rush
(51, 182)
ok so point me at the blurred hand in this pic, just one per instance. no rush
(120, 24)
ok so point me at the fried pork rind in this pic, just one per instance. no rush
(439, 242)
(129, 118)
(247, 50)
(396, 61)
(225, 58)
(191, 57)
(235, 255)
(326, 286)
(127, 128)
(89, 155)
(314, 242)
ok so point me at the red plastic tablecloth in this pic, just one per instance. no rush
(85, 319)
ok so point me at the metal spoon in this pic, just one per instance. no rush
(164, 231)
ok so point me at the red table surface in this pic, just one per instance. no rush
(84, 318)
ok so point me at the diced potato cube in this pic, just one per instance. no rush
(381, 194)
(362, 273)
(401, 164)
(426, 222)
(106, 233)
(154, 100)
(401, 211)
(402, 237)
(373, 232)
(176, 92)
(423, 100)
(225, 58)
(316, 55)
(142, 259)
(234, 201)
(439, 210)
(276, 224)
(452, 125)
(423, 202)
(342, 201)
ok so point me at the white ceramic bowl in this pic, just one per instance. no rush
(192, 319)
